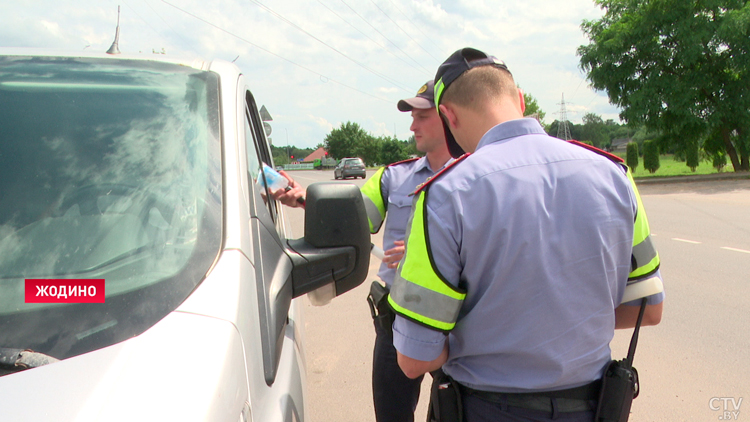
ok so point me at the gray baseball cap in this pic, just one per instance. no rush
(425, 98)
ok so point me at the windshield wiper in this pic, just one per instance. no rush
(20, 359)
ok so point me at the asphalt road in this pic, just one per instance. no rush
(694, 366)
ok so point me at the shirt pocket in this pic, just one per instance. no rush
(399, 211)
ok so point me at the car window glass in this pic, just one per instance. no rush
(257, 154)
(109, 169)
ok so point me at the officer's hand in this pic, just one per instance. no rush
(393, 256)
(293, 196)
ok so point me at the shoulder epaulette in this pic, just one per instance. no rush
(601, 152)
(438, 174)
(409, 160)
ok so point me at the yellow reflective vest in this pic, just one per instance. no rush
(420, 294)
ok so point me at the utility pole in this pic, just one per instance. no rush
(563, 131)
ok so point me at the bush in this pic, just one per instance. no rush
(650, 156)
(632, 156)
(719, 161)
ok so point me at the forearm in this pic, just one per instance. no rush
(626, 315)
(414, 368)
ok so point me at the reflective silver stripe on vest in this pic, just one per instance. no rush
(424, 302)
(373, 213)
(643, 253)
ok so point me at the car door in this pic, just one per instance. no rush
(273, 269)
(337, 170)
(273, 266)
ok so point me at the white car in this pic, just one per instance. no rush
(142, 171)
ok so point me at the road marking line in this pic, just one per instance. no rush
(734, 249)
(301, 177)
(686, 241)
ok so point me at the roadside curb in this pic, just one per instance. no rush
(693, 178)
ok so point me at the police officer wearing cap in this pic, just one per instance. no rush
(388, 193)
(517, 257)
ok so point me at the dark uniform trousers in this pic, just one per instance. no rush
(514, 409)
(395, 395)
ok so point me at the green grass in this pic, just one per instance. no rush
(669, 167)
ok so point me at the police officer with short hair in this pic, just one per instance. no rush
(517, 257)
(388, 193)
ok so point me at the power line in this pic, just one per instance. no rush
(272, 53)
(370, 38)
(378, 31)
(387, 79)
(141, 17)
(402, 30)
(163, 20)
(415, 25)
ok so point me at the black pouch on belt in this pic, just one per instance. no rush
(445, 399)
(619, 388)
(379, 309)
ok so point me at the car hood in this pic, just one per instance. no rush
(166, 373)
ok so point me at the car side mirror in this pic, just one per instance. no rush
(336, 246)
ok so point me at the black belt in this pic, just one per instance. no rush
(578, 399)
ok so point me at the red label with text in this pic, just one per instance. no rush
(65, 290)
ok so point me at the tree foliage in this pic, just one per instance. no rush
(347, 141)
(650, 156)
(631, 157)
(392, 150)
(692, 155)
(594, 131)
(532, 107)
(350, 140)
(679, 67)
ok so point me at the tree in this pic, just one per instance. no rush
(532, 108)
(392, 150)
(368, 149)
(593, 130)
(346, 140)
(678, 67)
(719, 161)
(650, 156)
(631, 157)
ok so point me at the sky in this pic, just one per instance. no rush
(315, 64)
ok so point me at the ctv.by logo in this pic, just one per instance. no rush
(729, 406)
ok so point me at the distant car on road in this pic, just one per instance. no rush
(349, 167)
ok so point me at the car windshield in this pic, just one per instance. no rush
(109, 169)
(354, 162)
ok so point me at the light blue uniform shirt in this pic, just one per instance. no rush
(539, 232)
(397, 184)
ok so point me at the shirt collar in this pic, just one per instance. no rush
(511, 129)
(423, 164)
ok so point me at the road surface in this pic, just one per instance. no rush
(694, 366)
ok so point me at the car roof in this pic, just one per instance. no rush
(196, 63)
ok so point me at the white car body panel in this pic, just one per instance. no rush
(203, 361)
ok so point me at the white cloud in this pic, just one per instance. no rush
(351, 72)
(387, 90)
